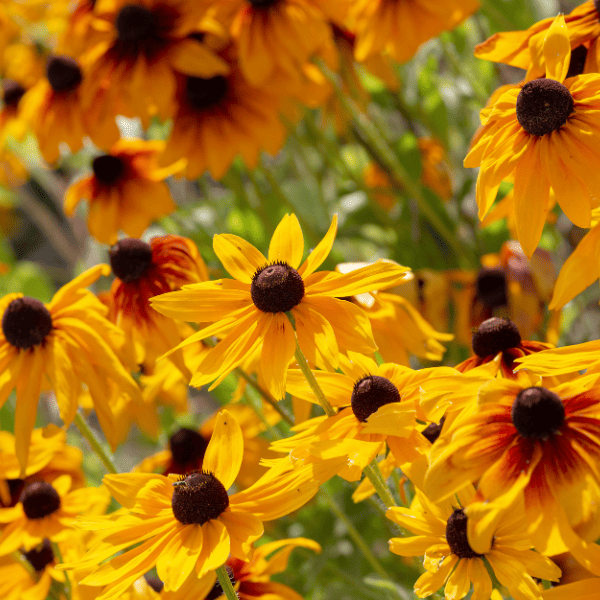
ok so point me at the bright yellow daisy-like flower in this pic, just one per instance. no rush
(538, 129)
(525, 439)
(146, 43)
(401, 26)
(525, 49)
(206, 125)
(190, 524)
(47, 510)
(59, 345)
(118, 190)
(441, 536)
(250, 310)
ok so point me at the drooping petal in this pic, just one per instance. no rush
(179, 556)
(278, 350)
(215, 548)
(223, 457)
(287, 243)
(244, 528)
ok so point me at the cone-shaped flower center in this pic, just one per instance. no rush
(490, 287)
(26, 322)
(12, 92)
(577, 63)
(277, 288)
(433, 430)
(204, 93)
(371, 393)
(216, 590)
(495, 335)
(63, 73)
(456, 535)
(135, 23)
(199, 498)
(543, 105)
(129, 259)
(264, 3)
(39, 500)
(39, 558)
(187, 447)
(108, 169)
(597, 5)
(537, 413)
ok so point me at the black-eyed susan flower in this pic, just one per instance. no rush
(12, 123)
(220, 117)
(119, 189)
(401, 26)
(146, 42)
(55, 110)
(441, 537)
(250, 310)
(538, 129)
(59, 346)
(525, 49)
(529, 440)
(143, 270)
(190, 524)
(47, 510)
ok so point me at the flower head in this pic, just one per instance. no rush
(249, 312)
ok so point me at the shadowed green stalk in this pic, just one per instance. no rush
(374, 475)
(93, 441)
(225, 582)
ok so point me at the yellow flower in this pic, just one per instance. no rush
(523, 439)
(133, 69)
(192, 524)
(587, 589)
(206, 125)
(118, 190)
(47, 510)
(401, 26)
(525, 49)
(250, 310)
(521, 137)
(441, 536)
(64, 343)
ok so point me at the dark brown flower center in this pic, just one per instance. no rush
(129, 259)
(577, 63)
(108, 169)
(26, 322)
(188, 448)
(491, 288)
(543, 106)
(456, 535)
(433, 430)
(12, 92)
(537, 413)
(371, 393)
(41, 556)
(597, 5)
(277, 288)
(216, 590)
(199, 498)
(135, 23)
(154, 582)
(63, 73)
(204, 93)
(39, 500)
(495, 335)
(264, 4)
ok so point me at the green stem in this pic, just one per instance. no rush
(58, 555)
(309, 375)
(225, 582)
(356, 536)
(17, 556)
(380, 487)
(89, 435)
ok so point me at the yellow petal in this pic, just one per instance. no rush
(244, 528)
(278, 350)
(287, 243)
(225, 450)
(125, 487)
(240, 258)
(215, 549)
(179, 556)
(557, 50)
(319, 254)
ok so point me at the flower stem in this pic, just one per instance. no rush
(380, 487)
(226, 585)
(58, 555)
(356, 536)
(89, 435)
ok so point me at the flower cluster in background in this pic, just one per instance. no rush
(295, 299)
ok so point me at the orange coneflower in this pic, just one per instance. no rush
(250, 310)
(126, 190)
(191, 523)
